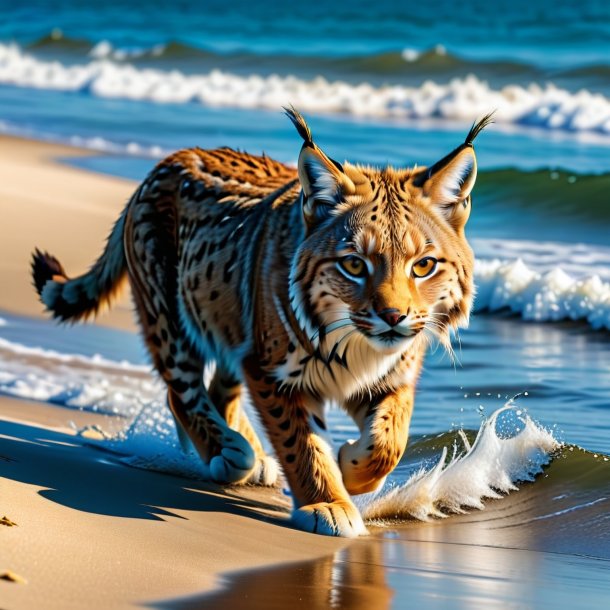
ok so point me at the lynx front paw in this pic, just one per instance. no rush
(362, 472)
(330, 519)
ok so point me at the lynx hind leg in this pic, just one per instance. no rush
(227, 456)
(227, 394)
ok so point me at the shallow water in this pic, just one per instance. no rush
(384, 574)
(565, 510)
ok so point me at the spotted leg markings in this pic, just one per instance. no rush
(227, 455)
(321, 502)
(227, 394)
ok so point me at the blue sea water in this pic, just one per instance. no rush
(380, 83)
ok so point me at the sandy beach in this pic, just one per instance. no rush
(90, 533)
(80, 529)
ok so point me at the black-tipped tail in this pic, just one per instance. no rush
(72, 299)
(45, 268)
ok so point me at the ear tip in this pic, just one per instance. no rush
(299, 122)
(478, 126)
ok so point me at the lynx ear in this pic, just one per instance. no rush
(323, 180)
(449, 182)
(453, 181)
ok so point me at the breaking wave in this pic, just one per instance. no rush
(464, 99)
(548, 296)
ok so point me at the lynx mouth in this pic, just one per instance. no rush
(391, 335)
(388, 341)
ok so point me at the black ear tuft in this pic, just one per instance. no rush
(478, 127)
(299, 122)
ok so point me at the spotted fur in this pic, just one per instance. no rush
(242, 261)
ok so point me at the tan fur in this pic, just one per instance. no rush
(240, 260)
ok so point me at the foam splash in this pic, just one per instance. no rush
(550, 296)
(151, 442)
(490, 468)
(465, 99)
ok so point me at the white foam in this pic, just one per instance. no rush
(96, 143)
(490, 468)
(576, 259)
(151, 442)
(96, 361)
(107, 146)
(92, 383)
(106, 50)
(542, 296)
(542, 106)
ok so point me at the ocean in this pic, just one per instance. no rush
(381, 83)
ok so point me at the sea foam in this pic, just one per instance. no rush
(71, 380)
(489, 469)
(548, 296)
(464, 99)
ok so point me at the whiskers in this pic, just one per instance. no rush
(437, 328)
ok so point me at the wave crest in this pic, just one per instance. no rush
(489, 469)
(550, 296)
(462, 99)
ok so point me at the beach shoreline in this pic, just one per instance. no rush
(93, 533)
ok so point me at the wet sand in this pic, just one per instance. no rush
(91, 532)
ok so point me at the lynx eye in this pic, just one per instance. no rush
(353, 265)
(424, 267)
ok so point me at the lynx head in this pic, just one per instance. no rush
(385, 255)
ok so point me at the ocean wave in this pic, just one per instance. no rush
(542, 297)
(541, 106)
(578, 260)
(388, 63)
(488, 469)
(394, 66)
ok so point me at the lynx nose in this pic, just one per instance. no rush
(391, 316)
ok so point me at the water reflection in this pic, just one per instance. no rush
(545, 546)
(353, 578)
(383, 573)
